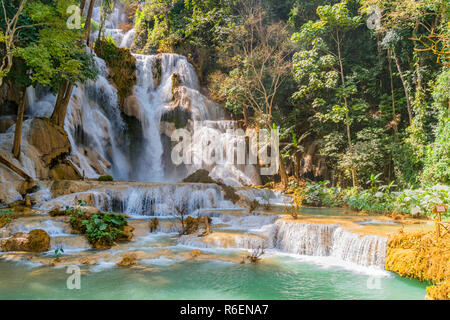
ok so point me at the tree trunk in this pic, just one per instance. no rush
(102, 22)
(394, 115)
(347, 116)
(87, 26)
(405, 88)
(245, 112)
(62, 101)
(82, 4)
(17, 170)
(283, 175)
(169, 27)
(19, 122)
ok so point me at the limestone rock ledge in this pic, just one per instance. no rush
(36, 241)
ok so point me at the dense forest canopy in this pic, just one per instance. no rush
(365, 81)
(376, 99)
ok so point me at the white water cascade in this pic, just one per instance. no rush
(101, 140)
(98, 134)
(149, 200)
(329, 240)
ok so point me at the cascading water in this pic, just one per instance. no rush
(148, 201)
(167, 84)
(329, 240)
(96, 128)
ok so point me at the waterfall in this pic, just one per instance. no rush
(104, 143)
(94, 126)
(329, 240)
(148, 201)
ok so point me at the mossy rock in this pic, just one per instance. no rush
(230, 193)
(176, 80)
(36, 241)
(199, 176)
(157, 71)
(177, 116)
(121, 64)
(105, 178)
(202, 176)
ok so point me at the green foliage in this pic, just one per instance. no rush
(5, 217)
(316, 97)
(437, 160)
(59, 252)
(106, 178)
(378, 199)
(420, 202)
(102, 229)
(122, 64)
(52, 52)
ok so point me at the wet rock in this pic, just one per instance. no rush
(51, 141)
(88, 261)
(28, 187)
(8, 193)
(4, 220)
(153, 225)
(6, 123)
(57, 211)
(199, 176)
(202, 176)
(20, 208)
(88, 210)
(132, 107)
(28, 201)
(195, 253)
(36, 241)
(60, 188)
(95, 160)
(128, 260)
(65, 170)
(127, 233)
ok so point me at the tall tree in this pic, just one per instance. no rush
(261, 63)
(107, 7)
(9, 37)
(334, 21)
(48, 54)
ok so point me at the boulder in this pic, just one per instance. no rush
(65, 170)
(61, 188)
(36, 241)
(57, 211)
(50, 140)
(127, 233)
(88, 210)
(132, 107)
(6, 123)
(195, 253)
(202, 176)
(88, 261)
(128, 260)
(199, 176)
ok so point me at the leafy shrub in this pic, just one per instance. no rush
(101, 229)
(377, 199)
(318, 195)
(105, 178)
(5, 217)
(420, 202)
